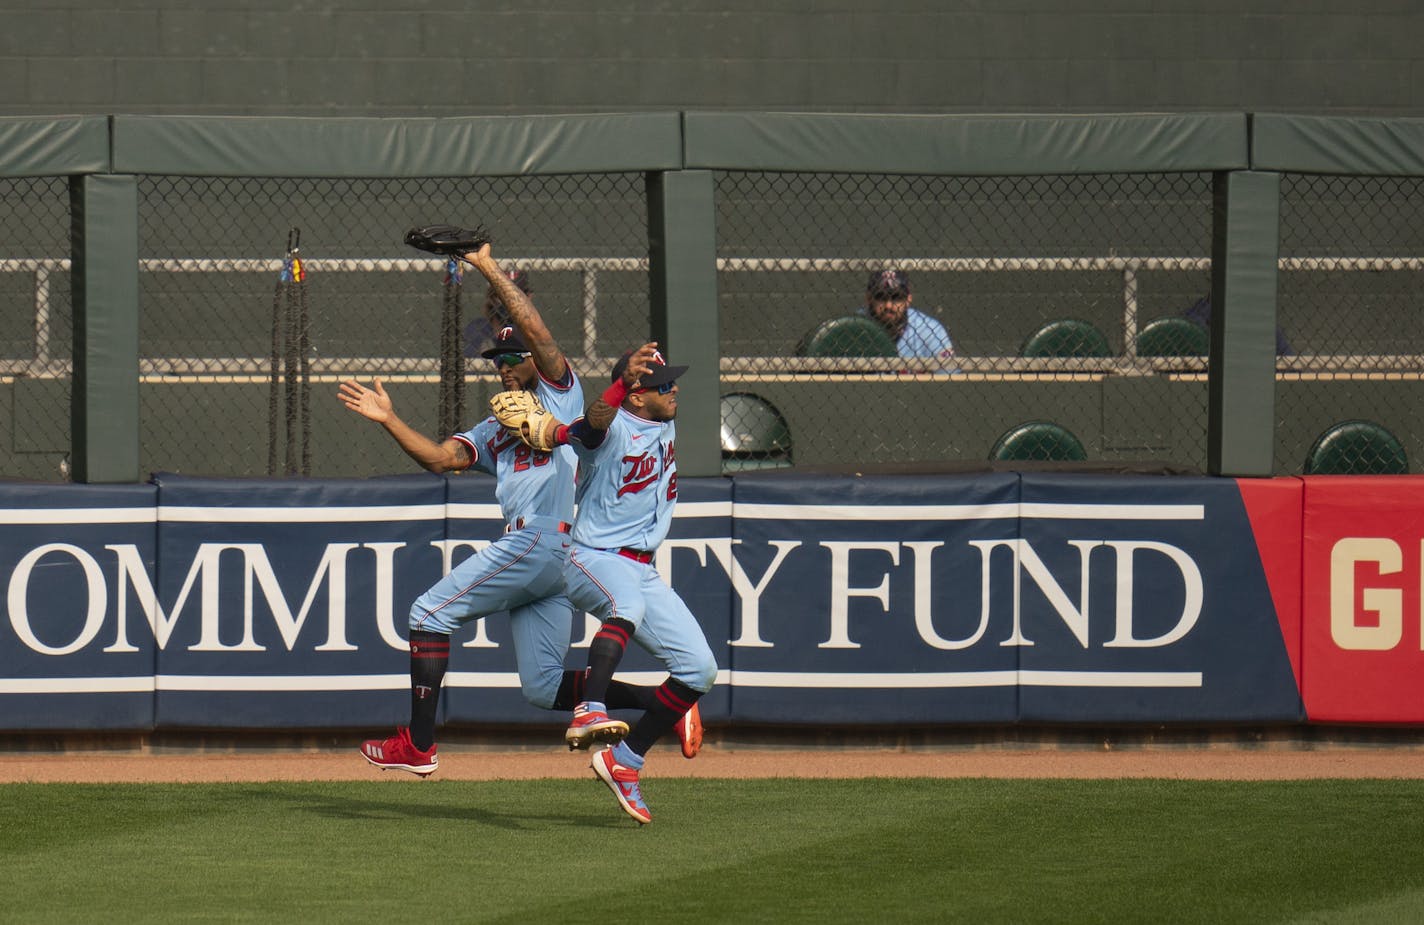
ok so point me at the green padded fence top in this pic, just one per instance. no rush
(476, 146)
(1337, 145)
(53, 147)
(914, 143)
(975, 145)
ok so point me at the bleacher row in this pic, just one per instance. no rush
(755, 435)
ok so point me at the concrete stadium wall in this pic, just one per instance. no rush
(448, 57)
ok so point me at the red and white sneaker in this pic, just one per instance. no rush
(623, 781)
(398, 753)
(689, 732)
(590, 726)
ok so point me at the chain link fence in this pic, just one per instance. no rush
(36, 325)
(1351, 310)
(1076, 307)
(1070, 301)
(259, 296)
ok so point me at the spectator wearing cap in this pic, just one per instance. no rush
(888, 301)
(480, 332)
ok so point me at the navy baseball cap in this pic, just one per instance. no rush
(888, 283)
(659, 374)
(506, 340)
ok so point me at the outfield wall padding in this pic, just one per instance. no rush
(888, 600)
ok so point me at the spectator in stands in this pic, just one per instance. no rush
(480, 332)
(1200, 313)
(916, 334)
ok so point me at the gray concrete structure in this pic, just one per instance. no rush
(452, 58)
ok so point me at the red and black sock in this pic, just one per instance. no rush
(621, 695)
(604, 653)
(670, 702)
(429, 657)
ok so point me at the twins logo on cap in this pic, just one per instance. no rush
(888, 281)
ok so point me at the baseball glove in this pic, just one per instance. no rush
(450, 240)
(522, 414)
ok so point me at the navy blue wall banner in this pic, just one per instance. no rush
(67, 554)
(281, 603)
(861, 600)
(926, 600)
(1141, 599)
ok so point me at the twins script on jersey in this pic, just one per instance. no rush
(628, 485)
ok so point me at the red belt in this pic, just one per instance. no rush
(519, 525)
(637, 555)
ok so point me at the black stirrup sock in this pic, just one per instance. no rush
(670, 702)
(429, 656)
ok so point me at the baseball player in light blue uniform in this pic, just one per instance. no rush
(522, 570)
(888, 301)
(626, 493)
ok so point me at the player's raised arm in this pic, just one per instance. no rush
(602, 410)
(523, 315)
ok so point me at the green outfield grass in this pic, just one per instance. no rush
(718, 851)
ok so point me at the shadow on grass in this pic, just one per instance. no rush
(516, 817)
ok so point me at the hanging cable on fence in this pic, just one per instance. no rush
(289, 380)
(452, 352)
(274, 361)
(299, 279)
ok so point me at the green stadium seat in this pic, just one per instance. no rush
(1356, 448)
(1066, 337)
(1172, 337)
(1038, 440)
(851, 336)
(754, 434)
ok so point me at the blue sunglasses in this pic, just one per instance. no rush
(663, 389)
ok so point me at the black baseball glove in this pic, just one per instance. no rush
(450, 240)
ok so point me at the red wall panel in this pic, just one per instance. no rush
(1362, 646)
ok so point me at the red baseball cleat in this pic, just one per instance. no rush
(623, 781)
(400, 754)
(689, 732)
(591, 726)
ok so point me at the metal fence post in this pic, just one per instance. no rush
(1242, 370)
(104, 405)
(682, 240)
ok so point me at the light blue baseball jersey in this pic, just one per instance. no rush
(530, 482)
(521, 571)
(627, 490)
(627, 487)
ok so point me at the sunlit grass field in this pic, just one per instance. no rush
(868, 850)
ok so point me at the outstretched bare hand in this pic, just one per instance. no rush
(639, 364)
(372, 403)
